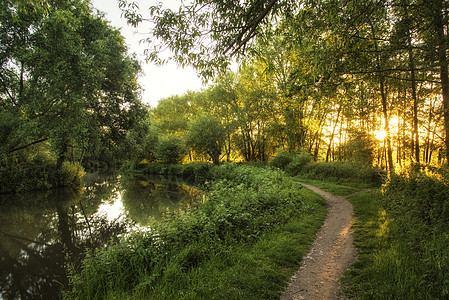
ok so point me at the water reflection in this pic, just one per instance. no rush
(42, 233)
(147, 200)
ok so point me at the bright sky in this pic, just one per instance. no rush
(157, 81)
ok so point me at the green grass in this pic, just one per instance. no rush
(244, 242)
(247, 271)
(389, 265)
(333, 187)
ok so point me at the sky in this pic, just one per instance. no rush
(157, 81)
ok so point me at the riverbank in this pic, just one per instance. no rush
(243, 242)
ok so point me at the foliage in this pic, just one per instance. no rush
(37, 172)
(427, 197)
(324, 76)
(360, 148)
(204, 35)
(300, 160)
(402, 236)
(140, 143)
(207, 135)
(343, 172)
(170, 149)
(67, 83)
(69, 174)
(198, 172)
(292, 163)
(243, 205)
(281, 159)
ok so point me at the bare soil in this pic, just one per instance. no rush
(330, 254)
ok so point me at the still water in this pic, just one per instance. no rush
(42, 233)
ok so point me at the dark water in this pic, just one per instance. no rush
(42, 233)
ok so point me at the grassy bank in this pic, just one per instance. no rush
(354, 174)
(402, 237)
(244, 241)
(38, 175)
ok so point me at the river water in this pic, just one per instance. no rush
(42, 233)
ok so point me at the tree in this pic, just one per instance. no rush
(392, 50)
(170, 149)
(207, 135)
(65, 77)
(206, 34)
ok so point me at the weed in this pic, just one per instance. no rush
(243, 242)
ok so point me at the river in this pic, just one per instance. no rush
(44, 233)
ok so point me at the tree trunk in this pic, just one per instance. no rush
(383, 96)
(329, 148)
(444, 75)
(414, 97)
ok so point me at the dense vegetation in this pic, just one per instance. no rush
(343, 80)
(243, 240)
(402, 236)
(356, 84)
(68, 93)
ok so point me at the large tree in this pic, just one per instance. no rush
(207, 136)
(65, 77)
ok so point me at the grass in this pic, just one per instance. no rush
(244, 242)
(389, 265)
(247, 271)
(331, 187)
(382, 270)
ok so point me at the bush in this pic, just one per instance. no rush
(69, 175)
(242, 204)
(298, 163)
(281, 159)
(197, 172)
(344, 172)
(170, 149)
(420, 194)
(38, 173)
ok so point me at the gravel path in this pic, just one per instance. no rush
(330, 254)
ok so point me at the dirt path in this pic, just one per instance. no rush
(331, 252)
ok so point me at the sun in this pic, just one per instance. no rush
(380, 134)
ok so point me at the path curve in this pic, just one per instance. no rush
(330, 254)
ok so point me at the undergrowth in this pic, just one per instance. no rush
(402, 237)
(348, 173)
(244, 241)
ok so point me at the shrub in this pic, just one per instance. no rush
(38, 173)
(298, 163)
(69, 175)
(420, 194)
(281, 159)
(170, 149)
(198, 172)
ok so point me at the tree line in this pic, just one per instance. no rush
(326, 76)
(342, 80)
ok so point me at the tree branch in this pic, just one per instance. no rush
(251, 28)
(11, 98)
(28, 145)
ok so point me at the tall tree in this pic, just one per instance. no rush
(71, 81)
(207, 135)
